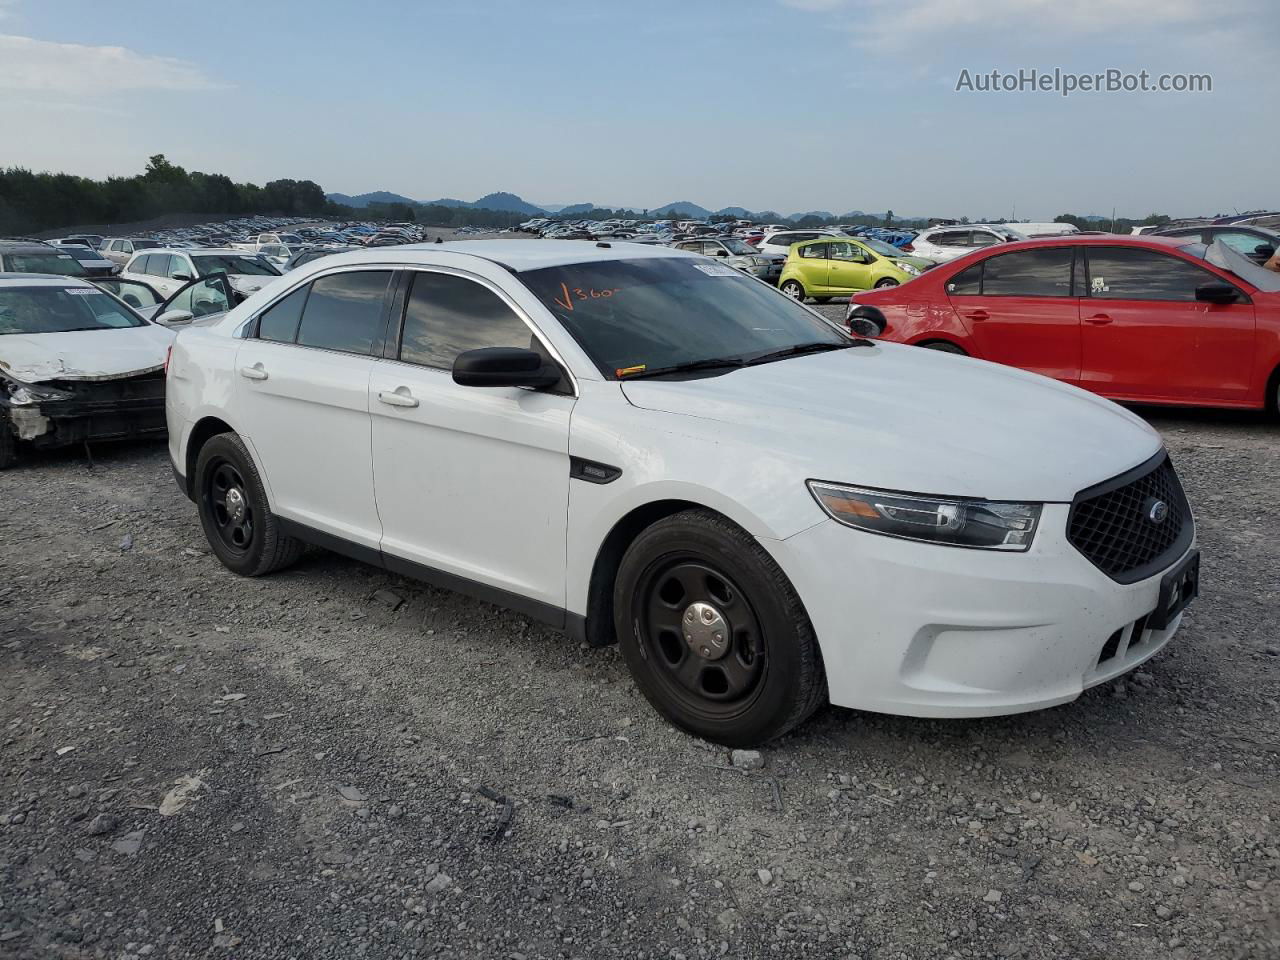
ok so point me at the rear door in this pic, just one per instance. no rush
(1021, 309)
(815, 268)
(1145, 336)
(303, 397)
(470, 481)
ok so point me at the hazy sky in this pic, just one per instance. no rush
(784, 104)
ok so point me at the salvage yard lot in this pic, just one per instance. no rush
(341, 723)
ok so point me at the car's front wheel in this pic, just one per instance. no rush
(243, 532)
(714, 633)
(793, 289)
(886, 282)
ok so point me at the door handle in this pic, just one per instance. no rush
(256, 372)
(1098, 319)
(399, 397)
(977, 315)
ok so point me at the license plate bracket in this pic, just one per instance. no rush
(1178, 588)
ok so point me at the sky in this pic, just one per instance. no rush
(789, 105)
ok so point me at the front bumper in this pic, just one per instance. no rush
(933, 631)
(130, 407)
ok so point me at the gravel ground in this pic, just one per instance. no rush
(334, 762)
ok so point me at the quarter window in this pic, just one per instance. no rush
(280, 321)
(1120, 273)
(1028, 273)
(344, 311)
(448, 315)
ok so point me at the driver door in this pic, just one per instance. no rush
(201, 301)
(850, 267)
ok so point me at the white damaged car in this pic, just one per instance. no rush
(76, 365)
(645, 446)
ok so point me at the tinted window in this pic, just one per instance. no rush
(1028, 273)
(967, 283)
(814, 251)
(158, 264)
(139, 264)
(280, 321)
(344, 311)
(980, 238)
(1119, 273)
(950, 238)
(447, 315)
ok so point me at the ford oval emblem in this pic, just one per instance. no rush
(1157, 511)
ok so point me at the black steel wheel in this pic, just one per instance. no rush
(714, 633)
(701, 634)
(237, 519)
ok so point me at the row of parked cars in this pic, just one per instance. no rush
(601, 372)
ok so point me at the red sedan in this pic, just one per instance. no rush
(1156, 320)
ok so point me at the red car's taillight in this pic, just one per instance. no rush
(908, 248)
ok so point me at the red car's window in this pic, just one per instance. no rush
(1131, 273)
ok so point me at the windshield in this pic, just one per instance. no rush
(62, 310)
(83, 254)
(63, 264)
(1222, 255)
(880, 247)
(230, 263)
(629, 315)
(145, 244)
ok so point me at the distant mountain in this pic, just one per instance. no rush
(574, 208)
(364, 199)
(739, 212)
(820, 214)
(444, 202)
(682, 208)
(506, 201)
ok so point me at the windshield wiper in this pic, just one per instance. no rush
(820, 346)
(711, 363)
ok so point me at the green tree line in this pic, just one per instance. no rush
(33, 202)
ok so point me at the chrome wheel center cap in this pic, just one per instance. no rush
(235, 504)
(705, 630)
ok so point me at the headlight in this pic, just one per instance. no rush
(983, 524)
(26, 394)
(907, 267)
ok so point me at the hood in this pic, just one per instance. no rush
(84, 354)
(247, 282)
(910, 419)
(920, 263)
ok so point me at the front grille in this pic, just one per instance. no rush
(1111, 523)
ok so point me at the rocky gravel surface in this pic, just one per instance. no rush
(335, 762)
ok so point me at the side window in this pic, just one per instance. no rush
(344, 311)
(691, 247)
(180, 266)
(280, 321)
(814, 251)
(1246, 243)
(448, 315)
(980, 238)
(126, 246)
(158, 264)
(138, 264)
(205, 297)
(967, 283)
(844, 251)
(1028, 273)
(950, 238)
(1126, 273)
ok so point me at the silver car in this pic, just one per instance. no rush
(737, 253)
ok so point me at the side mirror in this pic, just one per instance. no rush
(182, 276)
(503, 367)
(1217, 293)
(865, 320)
(171, 317)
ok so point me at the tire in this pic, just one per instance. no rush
(943, 347)
(8, 443)
(821, 299)
(793, 289)
(237, 520)
(752, 680)
(886, 282)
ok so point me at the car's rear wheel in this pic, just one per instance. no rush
(821, 299)
(793, 289)
(8, 443)
(713, 631)
(243, 532)
(942, 346)
(886, 282)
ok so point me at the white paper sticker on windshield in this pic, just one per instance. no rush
(80, 291)
(716, 269)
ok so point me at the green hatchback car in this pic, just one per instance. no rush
(838, 266)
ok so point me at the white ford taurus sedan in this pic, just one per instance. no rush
(640, 444)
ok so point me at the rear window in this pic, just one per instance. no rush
(61, 264)
(229, 263)
(62, 310)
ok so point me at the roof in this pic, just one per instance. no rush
(12, 244)
(521, 255)
(41, 280)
